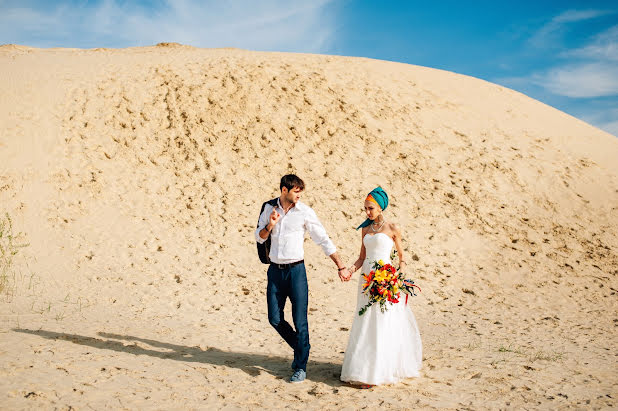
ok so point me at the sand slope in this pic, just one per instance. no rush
(136, 176)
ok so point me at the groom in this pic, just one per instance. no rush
(286, 223)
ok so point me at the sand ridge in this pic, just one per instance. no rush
(137, 174)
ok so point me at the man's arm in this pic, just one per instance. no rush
(263, 231)
(270, 222)
(319, 236)
(335, 257)
(342, 271)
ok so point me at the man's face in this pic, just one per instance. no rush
(293, 196)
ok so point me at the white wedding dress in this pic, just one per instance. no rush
(384, 347)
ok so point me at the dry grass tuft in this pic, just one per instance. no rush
(9, 247)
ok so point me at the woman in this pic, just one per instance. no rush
(384, 347)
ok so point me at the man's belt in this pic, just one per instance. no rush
(286, 266)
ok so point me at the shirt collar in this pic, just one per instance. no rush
(300, 206)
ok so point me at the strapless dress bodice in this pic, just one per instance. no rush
(378, 247)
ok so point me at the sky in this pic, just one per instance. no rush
(563, 53)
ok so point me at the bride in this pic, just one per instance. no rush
(384, 347)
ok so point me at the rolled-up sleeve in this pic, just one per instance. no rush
(318, 233)
(263, 222)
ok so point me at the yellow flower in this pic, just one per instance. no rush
(381, 262)
(380, 276)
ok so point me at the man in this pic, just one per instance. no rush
(286, 223)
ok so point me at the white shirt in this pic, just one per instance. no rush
(288, 234)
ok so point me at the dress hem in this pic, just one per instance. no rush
(360, 380)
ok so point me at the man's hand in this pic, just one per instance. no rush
(349, 277)
(348, 274)
(274, 219)
(344, 275)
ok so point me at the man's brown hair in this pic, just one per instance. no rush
(290, 181)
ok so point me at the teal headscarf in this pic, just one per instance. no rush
(381, 198)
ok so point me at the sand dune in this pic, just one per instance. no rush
(136, 177)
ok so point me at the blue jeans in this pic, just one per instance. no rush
(292, 283)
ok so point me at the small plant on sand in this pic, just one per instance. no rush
(509, 348)
(545, 356)
(535, 356)
(9, 247)
(471, 346)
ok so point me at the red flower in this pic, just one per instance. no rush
(390, 268)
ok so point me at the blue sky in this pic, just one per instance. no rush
(564, 53)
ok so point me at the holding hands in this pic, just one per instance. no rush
(344, 274)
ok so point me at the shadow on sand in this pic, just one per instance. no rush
(252, 364)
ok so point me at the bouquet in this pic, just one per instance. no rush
(384, 284)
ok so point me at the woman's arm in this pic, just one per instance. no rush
(397, 239)
(363, 253)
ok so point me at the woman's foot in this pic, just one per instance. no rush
(360, 386)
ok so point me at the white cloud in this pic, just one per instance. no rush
(587, 76)
(603, 47)
(570, 16)
(264, 25)
(550, 32)
(586, 72)
(580, 81)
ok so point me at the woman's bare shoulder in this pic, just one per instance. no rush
(393, 226)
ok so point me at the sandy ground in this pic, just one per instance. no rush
(135, 177)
